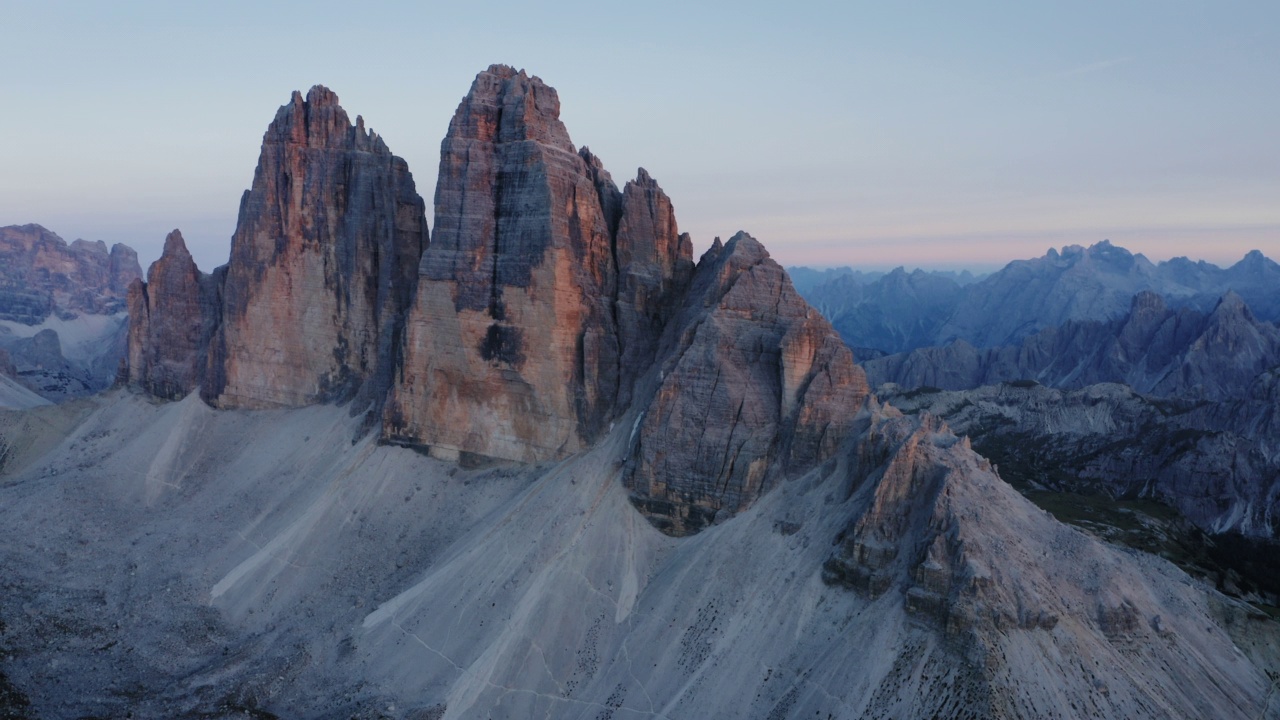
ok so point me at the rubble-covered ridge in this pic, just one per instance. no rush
(322, 264)
(1001, 579)
(544, 290)
(754, 383)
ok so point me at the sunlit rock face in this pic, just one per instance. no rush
(322, 264)
(754, 384)
(542, 294)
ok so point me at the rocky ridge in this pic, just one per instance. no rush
(62, 310)
(901, 311)
(1154, 349)
(172, 317)
(1206, 459)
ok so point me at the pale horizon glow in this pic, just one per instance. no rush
(863, 135)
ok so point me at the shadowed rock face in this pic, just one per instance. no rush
(322, 264)
(172, 317)
(543, 292)
(1154, 349)
(754, 381)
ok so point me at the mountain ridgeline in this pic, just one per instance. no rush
(901, 311)
(548, 304)
(62, 312)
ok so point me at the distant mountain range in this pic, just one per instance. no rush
(903, 311)
(63, 317)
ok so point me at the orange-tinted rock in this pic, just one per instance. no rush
(513, 347)
(322, 267)
(172, 317)
(755, 384)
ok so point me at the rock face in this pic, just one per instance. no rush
(539, 298)
(322, 264)
(172, 318)
(1154, 349)
(754, 383)
(41, 275)
(62, 310)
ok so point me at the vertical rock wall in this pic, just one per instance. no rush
(519, 345)
(322, 264)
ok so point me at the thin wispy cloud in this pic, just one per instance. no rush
(1094, 67)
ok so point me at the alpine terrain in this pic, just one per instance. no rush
(539, 461)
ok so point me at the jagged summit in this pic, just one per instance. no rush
(312, 298)
(540, 297)
(755, 384)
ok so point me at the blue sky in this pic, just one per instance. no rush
(867, 134)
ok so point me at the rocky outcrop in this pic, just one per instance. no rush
(1216, 463)
(1154, 349)
(322, 264)
(41, 275)
(754, 384)
(62, 310)
(172, 318)
(539, 298)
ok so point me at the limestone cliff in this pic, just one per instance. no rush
(172, 317)
(542, 294)
(322, 264)
(753, 381)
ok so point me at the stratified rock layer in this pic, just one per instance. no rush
(172, 317)
(322, 264)
(754, 381)
(519, 345)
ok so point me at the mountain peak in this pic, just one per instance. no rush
(175, 245)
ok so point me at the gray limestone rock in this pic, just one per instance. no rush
(753, 383)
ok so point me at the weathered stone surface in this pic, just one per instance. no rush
(41, 275)
(1217, 463)
(754, 383)
(513, 347)
(172, 317)
(655, 264)
(322, 264)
